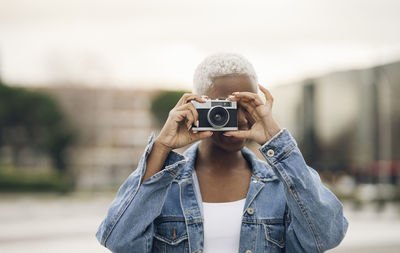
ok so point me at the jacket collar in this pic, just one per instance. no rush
(260, 169)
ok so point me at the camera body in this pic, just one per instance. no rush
(216, 115)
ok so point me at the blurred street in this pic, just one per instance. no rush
(50, 223)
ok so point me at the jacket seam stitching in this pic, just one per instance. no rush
(304, 212)
(127, 203)
(290, 185)
(284, 155)
(121, 212)
(184, 214)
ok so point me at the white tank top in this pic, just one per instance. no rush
(222, 223)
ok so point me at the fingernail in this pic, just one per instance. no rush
(236, 92)
(226, 134)
(197, 123)
(230, 96)
(189, 127)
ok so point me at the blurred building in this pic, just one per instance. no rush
(347, 121)
(113, 128)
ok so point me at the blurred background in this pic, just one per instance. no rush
(84, 83)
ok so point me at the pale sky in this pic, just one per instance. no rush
(143, 44)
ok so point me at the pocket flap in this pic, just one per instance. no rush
(275, 233)
(171, 230)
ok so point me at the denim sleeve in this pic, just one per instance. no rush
(128, 225)
(316, 221)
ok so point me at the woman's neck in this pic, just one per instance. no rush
(217, 160)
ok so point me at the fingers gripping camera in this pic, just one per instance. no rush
(216, 115)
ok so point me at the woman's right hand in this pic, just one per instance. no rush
(177, 131)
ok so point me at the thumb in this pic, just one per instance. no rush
(239, 133)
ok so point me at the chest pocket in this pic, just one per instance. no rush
(170, 235)
(275, 234)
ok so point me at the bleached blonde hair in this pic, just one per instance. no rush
(218, 65)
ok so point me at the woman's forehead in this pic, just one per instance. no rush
(223, 86)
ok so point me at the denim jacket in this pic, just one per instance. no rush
(287, 208)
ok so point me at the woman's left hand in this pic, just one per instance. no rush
(264, 126)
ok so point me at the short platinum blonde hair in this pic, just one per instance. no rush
(218, 65)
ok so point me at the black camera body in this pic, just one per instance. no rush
(216, 115)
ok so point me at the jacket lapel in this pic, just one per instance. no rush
(193, 217)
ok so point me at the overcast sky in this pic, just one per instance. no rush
(159, 43)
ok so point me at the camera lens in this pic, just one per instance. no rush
(218, 116)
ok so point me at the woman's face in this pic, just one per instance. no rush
(223, 87)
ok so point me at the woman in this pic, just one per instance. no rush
(218, 196)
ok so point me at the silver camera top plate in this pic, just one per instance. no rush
(227, 104)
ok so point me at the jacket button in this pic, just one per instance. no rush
(250, 211)
(270, 153)
(248, 251)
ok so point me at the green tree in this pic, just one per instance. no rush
(163, 103)
(34, 120)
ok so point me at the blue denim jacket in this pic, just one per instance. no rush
(287, 207)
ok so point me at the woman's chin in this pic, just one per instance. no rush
(232, 143)
(232, 139)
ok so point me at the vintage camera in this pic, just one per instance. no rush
(216, 115)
